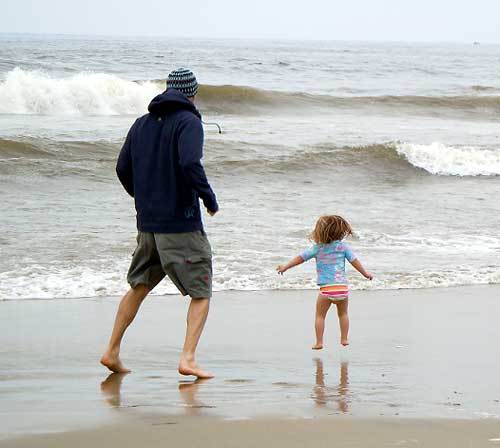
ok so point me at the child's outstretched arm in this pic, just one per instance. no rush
(356, 264)
(282, 268)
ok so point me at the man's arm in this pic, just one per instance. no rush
(124, 164)
(190, 155)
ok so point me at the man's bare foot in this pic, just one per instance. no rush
(317, 346)
(189, 367)
(344, 342)
(113, 363)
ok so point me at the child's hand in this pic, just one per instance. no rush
(281, 269)
(368, 275)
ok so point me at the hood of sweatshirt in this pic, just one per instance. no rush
(171, 100)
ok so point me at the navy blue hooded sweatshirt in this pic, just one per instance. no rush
(160, 166)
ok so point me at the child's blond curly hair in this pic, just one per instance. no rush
(330, 228)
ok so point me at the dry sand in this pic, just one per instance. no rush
(334, 432)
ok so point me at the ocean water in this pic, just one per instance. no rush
(401, 139)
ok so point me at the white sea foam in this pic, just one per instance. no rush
(38, 282)
(47, 282)
(34, 92)
(438, 158)
(235, 271)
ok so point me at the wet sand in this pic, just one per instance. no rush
(419, 362)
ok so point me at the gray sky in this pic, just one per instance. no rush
(402, 20)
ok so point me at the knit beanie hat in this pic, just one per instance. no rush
(184, 81)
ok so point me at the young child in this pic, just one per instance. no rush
(330, 253)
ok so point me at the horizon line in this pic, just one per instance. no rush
(242, 38)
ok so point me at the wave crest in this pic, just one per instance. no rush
(37, 147)
(435, 158)
(31, 92)
(440, 159)
(228, 98)
(34, 92)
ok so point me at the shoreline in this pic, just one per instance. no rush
(258, 291)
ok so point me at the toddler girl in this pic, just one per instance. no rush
(330, 252)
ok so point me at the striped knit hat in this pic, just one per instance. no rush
(184, 81)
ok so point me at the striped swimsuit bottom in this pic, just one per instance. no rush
(335, 292)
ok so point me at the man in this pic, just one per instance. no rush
(160, 167)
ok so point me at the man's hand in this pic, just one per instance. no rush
(368, 275)
(211, 213)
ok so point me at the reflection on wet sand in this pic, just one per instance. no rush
(188, 391)
(111, 388)
(322, 394)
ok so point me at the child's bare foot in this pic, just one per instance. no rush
(113, 362)
(317, 346)
(344, 342)
(189, 367)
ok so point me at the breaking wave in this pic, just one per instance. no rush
(440, 159)
(435, 158)
(35, 92)
(32, 92)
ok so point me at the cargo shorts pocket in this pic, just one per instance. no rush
(199, 246)
(197, 275)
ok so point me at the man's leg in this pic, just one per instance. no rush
(127, 310)
(196, 318)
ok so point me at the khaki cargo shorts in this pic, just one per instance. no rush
(185, 257)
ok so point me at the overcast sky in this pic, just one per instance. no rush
(401, 20)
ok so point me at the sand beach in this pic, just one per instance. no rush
(421, 370)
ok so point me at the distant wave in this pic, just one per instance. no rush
(481, 88)
(435, 158)
(22, 148)
(36, 147)
(32, 92)
(51, 158)
(236, 98)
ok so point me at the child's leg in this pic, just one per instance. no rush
(342, 306)
(322, 306)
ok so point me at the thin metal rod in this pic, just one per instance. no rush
(213, 124)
